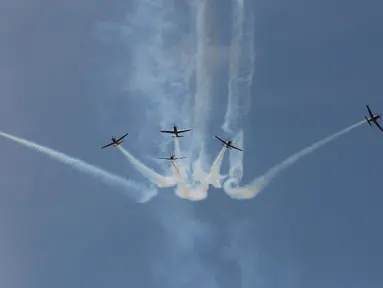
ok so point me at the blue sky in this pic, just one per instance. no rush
(73, 74)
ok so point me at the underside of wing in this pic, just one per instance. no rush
(377, 124)
(110, 144)
(183, 131)
(118, 140)
(369, 111)
(220, 139)
(235, 148)
(166, 131)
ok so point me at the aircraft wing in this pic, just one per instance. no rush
(167, 131)
(110, 144)
(235, 148)
(183, 131)
(223, 141)
(118, 140)
(179, 158)
(369, 111)
(377, 124)
(167, 158)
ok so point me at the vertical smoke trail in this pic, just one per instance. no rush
(202, 97)
(195, 192)
(142, 194)
(256, 186)
(160, 49)
(185, 190)
(182, 171)
(152, 176)
(177, 148)
(236, 159)
(242, 57)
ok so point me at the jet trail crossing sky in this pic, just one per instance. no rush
(257, 185)
(130, 188)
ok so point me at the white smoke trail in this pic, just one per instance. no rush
(176, 170)
(214, 177)
(177, 147)
(142, 194)
(242, 58)
(159, 48)
(205, 69)
(185, 190)
(181, 169)
(152, 176)
(256, 186)
(236, 159)
(241, 70)
(197, 193)
(203, 82)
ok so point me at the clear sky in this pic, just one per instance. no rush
(73, 73)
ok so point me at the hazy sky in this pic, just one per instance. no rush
(73, 73)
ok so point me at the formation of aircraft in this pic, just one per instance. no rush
(175, 131)
(228, 144)
(115, 142)
(171, 158)
(373, 118)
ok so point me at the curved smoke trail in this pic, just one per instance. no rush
(256, 186)
(197, 190)
(142, 193)
(160, 43)
(152, 176)
(214, 177)
(242, 57)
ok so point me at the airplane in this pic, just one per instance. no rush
(172, 158)
(228, 144)
(115, 142)
(374, 118)
(175, 131)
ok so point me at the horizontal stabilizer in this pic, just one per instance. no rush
(368, 121)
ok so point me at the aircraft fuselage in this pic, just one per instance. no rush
(374, 118)
(116, 143)
(175, 131)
